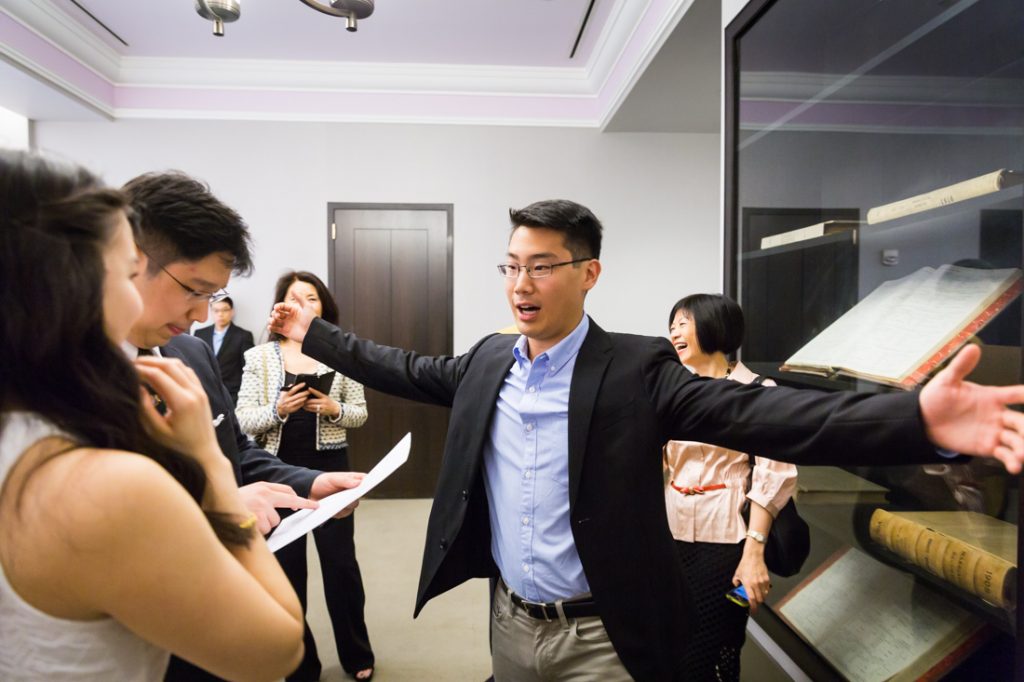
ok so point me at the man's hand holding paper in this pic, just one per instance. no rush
(303, 521)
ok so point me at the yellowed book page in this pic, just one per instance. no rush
(944, 196)
(899, 325)
(871, 621)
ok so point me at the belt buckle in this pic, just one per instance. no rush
(541, 606)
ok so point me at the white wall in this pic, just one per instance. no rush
(13, 130)
(730, 8)
(657, 195)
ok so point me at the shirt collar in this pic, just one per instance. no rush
(132, 352)
(559, 354)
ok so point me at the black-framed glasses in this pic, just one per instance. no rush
(536, 271)
(195, 295)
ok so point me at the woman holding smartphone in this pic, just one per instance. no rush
(123, 537)
(307, 427)
(705, 491)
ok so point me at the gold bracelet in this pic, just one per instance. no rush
(249, 522)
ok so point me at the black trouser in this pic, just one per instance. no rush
(343, 584)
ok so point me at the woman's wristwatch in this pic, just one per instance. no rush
(757, 536)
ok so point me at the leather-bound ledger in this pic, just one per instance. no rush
(903, 330)
(975, 552)
(944, 196)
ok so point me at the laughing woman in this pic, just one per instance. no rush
(705, 491)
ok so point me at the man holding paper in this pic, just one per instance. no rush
(552, 477)
(193, 243)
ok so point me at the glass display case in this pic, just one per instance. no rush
(873, 219)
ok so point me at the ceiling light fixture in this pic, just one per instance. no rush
(221, 12)
(350, 10)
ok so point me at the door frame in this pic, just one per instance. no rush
(449, 209)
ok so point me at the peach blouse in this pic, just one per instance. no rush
(715, 515)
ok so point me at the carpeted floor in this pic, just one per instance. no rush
(449, 639)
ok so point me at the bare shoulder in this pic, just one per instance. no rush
(94, 493)
(72, 517)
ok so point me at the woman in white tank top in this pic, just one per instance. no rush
(122, 535)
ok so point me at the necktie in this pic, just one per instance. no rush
(158, 402)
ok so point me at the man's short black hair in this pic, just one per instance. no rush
(581, 230)
(227, 299)
(719, 321)
(181, 220)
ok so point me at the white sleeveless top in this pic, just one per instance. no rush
(37, 646)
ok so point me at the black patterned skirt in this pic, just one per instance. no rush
(720, 627)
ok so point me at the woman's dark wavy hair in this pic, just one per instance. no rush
(55, 357)
(719, 321)
(329, 307)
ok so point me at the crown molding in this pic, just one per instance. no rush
(29, 63)
(254, 74)
(55, 26)
(617, 32)
(229, 115)
(672, 12)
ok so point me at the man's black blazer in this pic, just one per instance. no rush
(628, 396)
(250, 462)
(230, 358)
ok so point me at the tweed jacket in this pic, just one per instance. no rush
(262, 379)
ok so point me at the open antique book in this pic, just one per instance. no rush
(873, 622)
(903, 330)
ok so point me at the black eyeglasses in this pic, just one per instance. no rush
(194, 295)
(536, 271)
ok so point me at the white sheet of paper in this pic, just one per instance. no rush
(305, 520)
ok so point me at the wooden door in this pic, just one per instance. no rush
(391, 274)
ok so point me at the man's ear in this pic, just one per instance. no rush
(593, 272)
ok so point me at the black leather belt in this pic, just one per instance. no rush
(580, 608)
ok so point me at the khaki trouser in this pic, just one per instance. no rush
(526, 649)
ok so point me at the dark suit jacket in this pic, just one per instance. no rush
(628, 396)
(250, 463)
(236, 342)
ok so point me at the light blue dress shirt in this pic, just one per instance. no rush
(526, 473)
(218, 339)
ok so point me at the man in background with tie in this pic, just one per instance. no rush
(229, 343)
